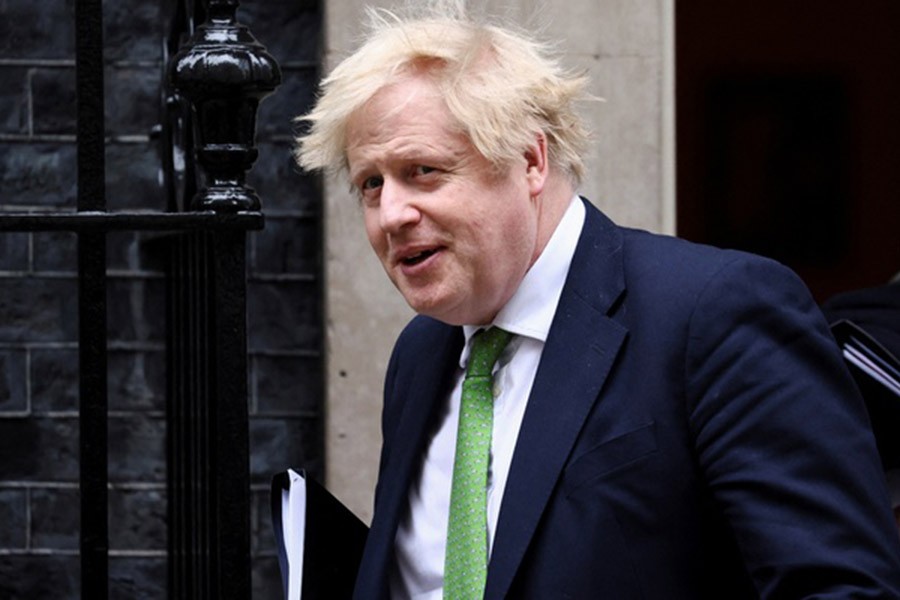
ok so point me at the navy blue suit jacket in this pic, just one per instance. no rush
(692, 432)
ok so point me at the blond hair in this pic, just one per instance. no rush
(501, 86)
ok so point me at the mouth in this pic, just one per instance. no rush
(418, 257)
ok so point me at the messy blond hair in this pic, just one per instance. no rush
(501, 87)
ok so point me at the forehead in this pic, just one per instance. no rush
(408, 85)
(408, 111)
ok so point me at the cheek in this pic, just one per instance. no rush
(516, 222)
(517, 237)
(503, 247)
(373, 231)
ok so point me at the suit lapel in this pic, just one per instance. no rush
(420, 395)
(577, 358)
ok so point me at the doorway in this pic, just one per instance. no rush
(788, 134)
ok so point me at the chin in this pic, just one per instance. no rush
(429, 310)
(430, 307)
(449, 308)
(451, 316)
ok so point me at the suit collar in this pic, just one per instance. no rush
(597, 274)
(576, 360)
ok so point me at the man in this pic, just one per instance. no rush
(668, 420)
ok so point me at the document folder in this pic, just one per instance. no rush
(320, 541)
(877, 373)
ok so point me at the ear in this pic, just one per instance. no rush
(537, 164)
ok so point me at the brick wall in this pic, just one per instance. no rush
(39, 537)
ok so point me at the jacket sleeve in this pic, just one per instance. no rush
(784, 441)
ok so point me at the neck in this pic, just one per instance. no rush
(552, 205)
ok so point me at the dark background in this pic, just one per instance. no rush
(39, 529)
(788, 134)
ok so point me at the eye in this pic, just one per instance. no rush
(372, 183)
(420, 170)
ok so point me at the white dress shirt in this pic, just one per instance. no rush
(421, 536)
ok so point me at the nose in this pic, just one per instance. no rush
(397, 207)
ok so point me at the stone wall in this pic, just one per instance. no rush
(39, 499)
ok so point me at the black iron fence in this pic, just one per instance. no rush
(214, 85)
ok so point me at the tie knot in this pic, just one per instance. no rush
(487, 345)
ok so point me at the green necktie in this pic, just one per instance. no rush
(465, 565)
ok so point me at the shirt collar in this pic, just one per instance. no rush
(530, 311)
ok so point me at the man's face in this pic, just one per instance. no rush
(454, 236)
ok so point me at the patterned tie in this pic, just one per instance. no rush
(465, 565)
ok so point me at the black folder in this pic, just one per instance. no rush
(327, 539)
(877, 373)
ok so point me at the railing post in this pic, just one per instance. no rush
(224, 73)
(92, 353)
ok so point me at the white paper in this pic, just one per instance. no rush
(293, 525)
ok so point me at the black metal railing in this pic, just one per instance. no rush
(208, 476)
(215, 83)
(223, 72)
